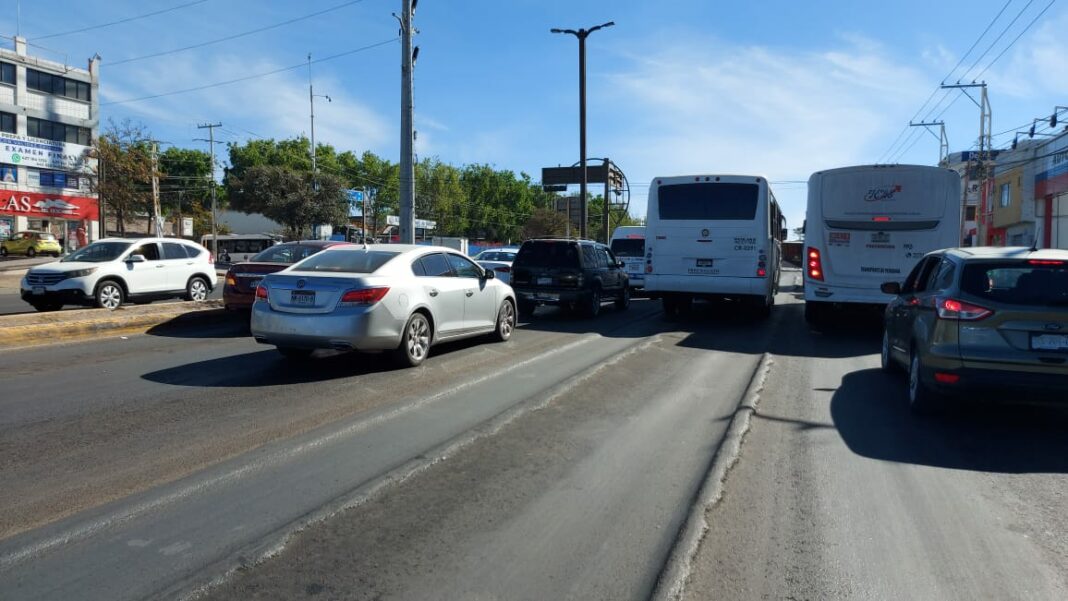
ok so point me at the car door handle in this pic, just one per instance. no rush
(433, 293)
(160, 266)
(470, 293)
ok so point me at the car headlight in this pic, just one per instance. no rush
(81, 273)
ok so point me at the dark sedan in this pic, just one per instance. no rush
(242, 278)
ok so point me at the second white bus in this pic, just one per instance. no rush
(870, 224)
(713, 236)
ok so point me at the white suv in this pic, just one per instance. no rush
(111, 271)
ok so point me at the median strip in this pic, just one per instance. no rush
(36, 329)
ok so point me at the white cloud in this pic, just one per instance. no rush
(701, 107)
(1036, 65)
(272, 106)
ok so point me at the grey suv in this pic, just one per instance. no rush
(569, 273)
(981, 321)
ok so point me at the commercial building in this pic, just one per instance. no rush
(49, 117)
(1051, 192)
(967, 164)
(1012, 206)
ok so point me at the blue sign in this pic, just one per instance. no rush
(355, 203)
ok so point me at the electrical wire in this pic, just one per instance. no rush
(1025, 29)
(254, 76)
(121, 21)
(235, 36)
(997, 39)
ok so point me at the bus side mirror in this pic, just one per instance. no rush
(893, 288)
(782, 234)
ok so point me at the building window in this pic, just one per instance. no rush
(1006, 196)
(60, 132)
(54, 179)
(9, 174)
(55, 84)
(7, 73)
(969, 213)
(7, 123)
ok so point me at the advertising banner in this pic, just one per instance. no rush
(35, 204)
(45, 154)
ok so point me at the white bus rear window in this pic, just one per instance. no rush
(708, 201)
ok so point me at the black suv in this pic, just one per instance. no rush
(568, 273)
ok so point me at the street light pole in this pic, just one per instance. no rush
(311, 103)
(582, 34)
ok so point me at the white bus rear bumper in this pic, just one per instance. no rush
(818, 292)
(707, 285)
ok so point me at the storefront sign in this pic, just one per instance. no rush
(45, 154)
(1052, 178)
(33, 204)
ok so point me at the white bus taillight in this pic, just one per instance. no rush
(815, 264)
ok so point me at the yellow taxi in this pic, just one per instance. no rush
(31, 244)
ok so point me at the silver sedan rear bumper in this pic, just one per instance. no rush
(363, 328)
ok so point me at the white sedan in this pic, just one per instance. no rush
(388, 297)
(499, 260)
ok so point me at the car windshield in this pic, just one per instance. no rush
(286, 253)
(346, 261)
(548, 253)
(495, 255)
(1018, 282)
(628, 247)
(98, 252)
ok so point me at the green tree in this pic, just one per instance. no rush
(290, 197)
(545, 223)
(185, 187)
(123, 176)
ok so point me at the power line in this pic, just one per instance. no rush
(235, 36)
(890, 151)
(997, 39)
(121, 21)
(1006, 49)
(248, 77)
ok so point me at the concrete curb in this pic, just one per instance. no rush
(36, 329)
(676, 573)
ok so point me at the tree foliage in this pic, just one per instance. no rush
(290, 197)
(123, 177)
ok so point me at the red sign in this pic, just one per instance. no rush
(35, 204)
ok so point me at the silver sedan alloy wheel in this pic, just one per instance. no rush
(506, 321)
(418, 338)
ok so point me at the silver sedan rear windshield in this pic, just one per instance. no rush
(347, 261)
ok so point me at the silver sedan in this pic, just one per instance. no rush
(388, 297)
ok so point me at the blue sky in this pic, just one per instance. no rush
(778, 88)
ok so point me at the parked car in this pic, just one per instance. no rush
(31, 244)
(568, 273)
(989, 322)
(239, 289)
(398, 298)
(111, 271)
(499, 260)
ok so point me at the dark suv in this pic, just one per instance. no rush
(568, 273)
(989, 322)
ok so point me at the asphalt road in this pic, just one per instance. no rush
(559, 465)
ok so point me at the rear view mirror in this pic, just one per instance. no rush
(621, 264)
(891, 288)
(136, 259)
(489, 275)
(783, 233)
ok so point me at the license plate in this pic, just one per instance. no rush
(38, 289)
(254, 282)
(547, 297)
(1049, 342)
(704, 262)
(545, 281)
(302, 298)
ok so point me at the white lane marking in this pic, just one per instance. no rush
(671, 584)
(176, 548)
(85, 530)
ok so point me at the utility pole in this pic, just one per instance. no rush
(211, 178)
(311, 103)
(582, 34)
(157, 219)
(605, 229)
(985, 146)
(943, 141)
(407, 158)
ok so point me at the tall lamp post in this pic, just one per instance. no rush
(582, 34)
(311, 102)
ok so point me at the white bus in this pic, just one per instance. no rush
(235, 248)
(869, 224)
(713, 236)
(628, 245)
